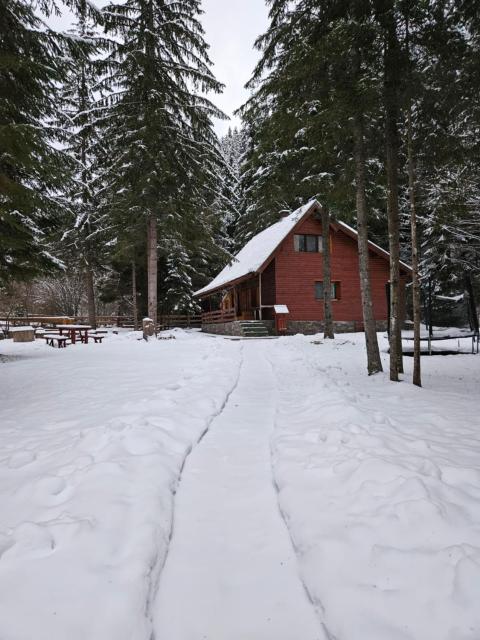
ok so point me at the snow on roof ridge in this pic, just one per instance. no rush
(259, 248)
(253, 255)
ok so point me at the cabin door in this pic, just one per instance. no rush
(247, 301)
(243, 300)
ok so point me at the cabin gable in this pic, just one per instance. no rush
(296, 275)
(283, 265)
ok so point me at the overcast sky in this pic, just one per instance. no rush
(231, 28)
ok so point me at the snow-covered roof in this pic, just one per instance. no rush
(257, 250)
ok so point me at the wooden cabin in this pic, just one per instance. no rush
(277, 279)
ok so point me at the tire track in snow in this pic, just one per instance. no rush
(154, 575)
(231, 572)
(316, 603)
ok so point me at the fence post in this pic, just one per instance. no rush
(148, 328)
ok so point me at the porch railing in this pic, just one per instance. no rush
(216, 317)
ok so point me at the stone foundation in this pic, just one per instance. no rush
(223, 328)
(307, 327)
(310, 327)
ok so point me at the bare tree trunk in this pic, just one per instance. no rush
(417, 308)
(472, 305)
(374, 362)
(391, 83)
(92, 312)
(327, 277)
(134, 296)
(152, 267)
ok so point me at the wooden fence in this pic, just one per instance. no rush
(167, 321)
(216, 317)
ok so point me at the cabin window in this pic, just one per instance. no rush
(335, 291)
(308, 243)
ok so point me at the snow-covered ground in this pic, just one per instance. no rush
(317, 503)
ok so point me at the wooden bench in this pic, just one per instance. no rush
(96, 335)
(52, 338)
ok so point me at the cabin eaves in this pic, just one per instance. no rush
(254, 257)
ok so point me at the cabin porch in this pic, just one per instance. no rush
(240, 302)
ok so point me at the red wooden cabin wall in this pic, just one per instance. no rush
(297, 272)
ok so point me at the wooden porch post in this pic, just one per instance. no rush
(260, 295)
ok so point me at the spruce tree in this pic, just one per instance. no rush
(393, 73)
(315, 85)
(229, 200)
(446, 124)
(158, 128)
(33, 170)
(86, 235)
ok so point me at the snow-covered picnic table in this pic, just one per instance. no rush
(72, 329)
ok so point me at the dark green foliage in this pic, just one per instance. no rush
(309, 85)
(446, 119)
(31, 171)
(163, 153)
(34, 171)
(161, 142)
(86, 235)
(306, 92)
(230, 198)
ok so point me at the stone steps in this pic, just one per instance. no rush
(254, 329)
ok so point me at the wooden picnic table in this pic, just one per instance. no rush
(73, 329)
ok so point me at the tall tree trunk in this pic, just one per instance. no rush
(417, 308)
(92, 313)
(374, 362)
(472, 305)
(87, 249)
(391, 98)
(416, 300)
(152, 267)
(134, 296)
(327, 276)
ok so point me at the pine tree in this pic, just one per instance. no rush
(412, 196)
(33, 170)
(159, 132)
(314, 87)
(447, 122)
(179, 279)
(441, 143)
(79, 118)
(230, 199)
(392, 77)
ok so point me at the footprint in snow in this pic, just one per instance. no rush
(28, 540)
(20, 459)
(51, 491)
(6, 542)
(173, 387)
